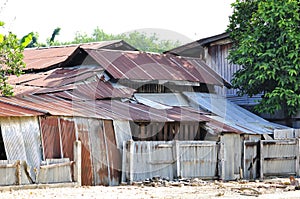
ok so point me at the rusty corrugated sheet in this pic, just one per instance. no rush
(150, 66)
(98, 152)
(105, 109)
(86, 162)
(67, 137)
(50, 137)
(45, 57)
(7, 109)
(113, 153)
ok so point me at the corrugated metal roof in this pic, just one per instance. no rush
(195, 48)
(103, 109)
(167, 100)
(70, 83)
(151, 66)
(39, 58)
(233, 115)
(113, 45)
(7, 110)
(42, 58)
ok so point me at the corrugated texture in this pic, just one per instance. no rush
(21, 140)
(232, 114)
(51, 137)
(68, 137)
(113, 153)
(251, 160)
(86, 162)
(55, 171)
(32, 141)
(170, 159)
(43, 58)
(149, 66)
(198, 159)
(122, 132)
(232, 155)
(279, 157)
(105, 109)
(7, 110)
(101, 161)
(46, 57)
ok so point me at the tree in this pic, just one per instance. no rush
(11, 59)
(140, 40)
(266, 41)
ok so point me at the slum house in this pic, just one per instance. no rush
(64, 83)
(214, 51)
(88, 85)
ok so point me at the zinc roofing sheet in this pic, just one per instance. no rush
(7, 110)
(103, 109)
(232, 114)
(39, 58)
(152, 66)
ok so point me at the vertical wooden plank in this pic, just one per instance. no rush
(77, 160)
(221, 161)
(131, 151)
(261, 159)
(297, 156)
(124, 162)
(166, 131)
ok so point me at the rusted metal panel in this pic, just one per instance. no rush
(67, 137)
(86, 162)
(150, 66)
(98, 152)
(113, 153)
(7, 110)
(45, 57)
(51, 137)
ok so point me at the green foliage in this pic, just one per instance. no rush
(54, 34)
(141, 41)
(11, 59)
(266, 40)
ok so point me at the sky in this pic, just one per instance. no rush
(184, 20)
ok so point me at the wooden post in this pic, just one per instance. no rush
(177, 152)
(261, 169)
(77, 160)
(18, 172)
(124, 162)
(297, 156)
(131, 151)
(221, 161)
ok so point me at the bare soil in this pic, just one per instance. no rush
(273, 189)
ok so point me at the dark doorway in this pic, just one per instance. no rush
(2, 148)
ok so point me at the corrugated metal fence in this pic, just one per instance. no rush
(279, 157)
(172, 159)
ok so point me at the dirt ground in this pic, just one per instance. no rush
(274, 189)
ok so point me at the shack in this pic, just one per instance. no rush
(128, 109)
